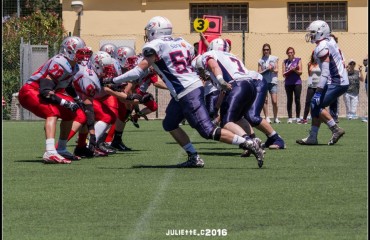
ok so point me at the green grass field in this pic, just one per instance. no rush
(303, 192)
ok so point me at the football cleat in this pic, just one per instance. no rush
(99, 153)
(68, 155)
(337, 134)
(310, 140)
(255, 146)
(274, 142)
(134, 119)
(120, 146)
(83, 152)
(194, 161)
(54, 158)
(104, 147)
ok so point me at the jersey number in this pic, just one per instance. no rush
(240, 67)
(181, 63)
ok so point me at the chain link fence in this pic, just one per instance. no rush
(248, 47)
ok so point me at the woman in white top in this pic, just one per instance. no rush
(268, 67)
(314, 73)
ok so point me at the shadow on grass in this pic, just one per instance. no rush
(205, 142)
(30, 161)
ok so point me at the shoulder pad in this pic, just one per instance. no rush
(148, 52)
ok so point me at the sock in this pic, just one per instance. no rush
(189, 148)
(62, 145)
(272, 134)
(100, 128)
(117, 136)
(82, 140)
(237, 140)
(314, 131)
(71, 135)
(331, 123)
(110, 136)
(50, 145)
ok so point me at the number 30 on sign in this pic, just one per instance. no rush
(200, 24)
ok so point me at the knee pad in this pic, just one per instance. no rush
(216, 134)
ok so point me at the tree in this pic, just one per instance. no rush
(44, 28)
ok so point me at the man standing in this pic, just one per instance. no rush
(333, 82)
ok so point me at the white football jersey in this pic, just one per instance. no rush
(338, 72)
(232, 68)
(173, 65)
(86, 83)
(58, 69)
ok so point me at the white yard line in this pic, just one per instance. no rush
(143, 223)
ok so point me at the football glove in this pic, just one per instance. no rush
(134, 96)
(146, 98)
(315, 101)
(80, 103)
(71, 106)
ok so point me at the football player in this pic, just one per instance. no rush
(171, 59)
(237, 82)
(333, 82)
(49, 94)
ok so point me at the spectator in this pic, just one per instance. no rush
(364, 119)
(292, 71)
(268, 67)
(3, 102)
(351, 96)
(314, 73)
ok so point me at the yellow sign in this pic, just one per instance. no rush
(200, 24)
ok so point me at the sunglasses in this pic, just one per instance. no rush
(266, 49)
(290, 52)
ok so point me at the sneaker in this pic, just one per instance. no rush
(55, 158)
(290, 120)
(104, 147)
(277, 120)
(254, 145)
(68, 155)
(302, 121)
(274, 142)
(268, 120)
(310, 140)
(120, 146)
(337, 134)
(194, 161)
(364, 120)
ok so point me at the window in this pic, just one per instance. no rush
(234, 16)
(300, 15)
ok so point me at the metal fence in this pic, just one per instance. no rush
(248, 48)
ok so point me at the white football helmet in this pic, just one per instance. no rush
(123, 53)
(219, 44)
(70, 46)
(109, 48)
(157, 27)
(102, 63)
(318, 30)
